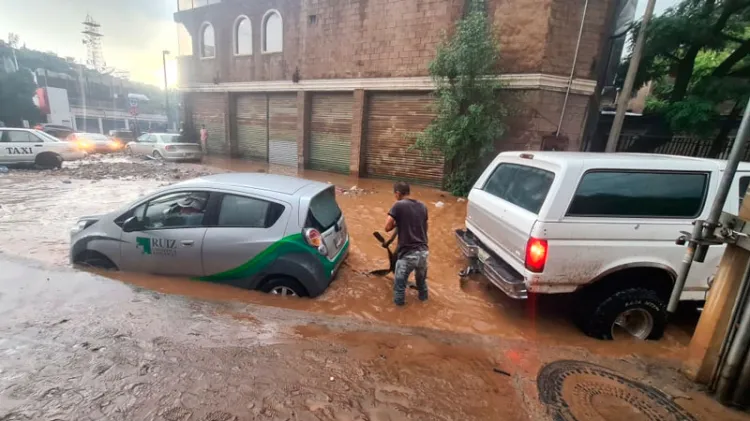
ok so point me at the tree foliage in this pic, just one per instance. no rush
(469, 111)
(697, 57)
(17, 90)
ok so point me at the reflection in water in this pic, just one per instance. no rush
(37, 212)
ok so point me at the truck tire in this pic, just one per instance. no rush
(638, 311)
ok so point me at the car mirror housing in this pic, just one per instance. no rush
(131, 224)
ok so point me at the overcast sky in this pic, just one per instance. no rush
(660, 7)
(135, 31)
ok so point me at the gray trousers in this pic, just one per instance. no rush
(415, 261)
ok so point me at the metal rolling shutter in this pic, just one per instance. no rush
(331, 132)
(282, 129)
(390, 120)
(252, 126)
(208, 110)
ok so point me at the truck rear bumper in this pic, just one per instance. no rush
(497, 271)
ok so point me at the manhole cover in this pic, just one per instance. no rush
(579, 391)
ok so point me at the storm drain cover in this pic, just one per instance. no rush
(579, 391)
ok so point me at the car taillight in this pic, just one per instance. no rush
(536, 254)
(169, 148)
(314, 239)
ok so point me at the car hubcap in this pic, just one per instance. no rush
(284, 291)
(637, 322)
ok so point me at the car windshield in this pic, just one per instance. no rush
(324, 211)
(46, 137)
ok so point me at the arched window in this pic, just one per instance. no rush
(208, 41)
(273, 32)
(243, 36)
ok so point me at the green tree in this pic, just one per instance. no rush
(697, 56)
(469, 111)
(17, 91)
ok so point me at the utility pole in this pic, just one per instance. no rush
(627, 87)
(13, 41)
(166, 88)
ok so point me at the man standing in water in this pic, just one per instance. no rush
(204, 137)
(410, 217)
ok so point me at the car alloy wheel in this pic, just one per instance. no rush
(282, 290)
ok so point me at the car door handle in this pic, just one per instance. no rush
(38, 146)
(187, 242)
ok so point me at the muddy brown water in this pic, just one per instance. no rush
(38, 209)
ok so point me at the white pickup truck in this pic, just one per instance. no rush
(601, 226)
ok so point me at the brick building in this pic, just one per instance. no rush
(337, 84)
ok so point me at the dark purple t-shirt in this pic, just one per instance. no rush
(411, 221)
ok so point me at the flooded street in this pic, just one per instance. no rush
(79, 345)
(53, 201)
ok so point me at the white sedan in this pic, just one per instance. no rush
(167, 146)
(29, 146)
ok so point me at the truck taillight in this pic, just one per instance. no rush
(170, 148)
(536, 254)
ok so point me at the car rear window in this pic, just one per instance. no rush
(628, 194)
(174, 138)
(324, 211)
(521, 185)
(248, 212)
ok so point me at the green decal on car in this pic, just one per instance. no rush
(294, 243)
(144, 243)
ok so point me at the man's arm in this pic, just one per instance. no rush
(393, 237)
(390, 224)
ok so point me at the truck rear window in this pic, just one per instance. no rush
(324, 211)
(523, 186)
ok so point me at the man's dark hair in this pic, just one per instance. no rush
(402, 187)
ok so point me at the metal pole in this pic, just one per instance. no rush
(706, 230)
(735, 356)
(572, 69)
(627, 87)
(743, 383)
(166, 89)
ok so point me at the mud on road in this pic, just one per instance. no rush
(37, 210)
(80, 346)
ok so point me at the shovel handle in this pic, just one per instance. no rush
(378, 236)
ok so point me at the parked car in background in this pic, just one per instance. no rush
(600, 226)
(29, 146)
(55, 130)
(167, 146)
(122, 136)
(277, 234)
(95, 143)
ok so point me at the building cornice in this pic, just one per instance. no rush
(423, 83)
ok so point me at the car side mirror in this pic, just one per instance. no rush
(131, 224)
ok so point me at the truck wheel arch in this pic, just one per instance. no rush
(650, 275)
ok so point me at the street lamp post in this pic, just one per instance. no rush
(166, 89)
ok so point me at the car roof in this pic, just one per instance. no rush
(18, 128)
(254, 181)
(628, 160)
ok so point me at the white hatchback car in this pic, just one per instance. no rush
(602, 226)
(29, 146)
